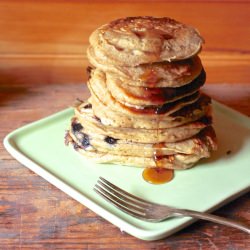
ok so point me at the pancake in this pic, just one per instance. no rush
(92, 125)
(112, 118)
(160, 74)
(134, 96)
(98, 88)
(172, 161)
(201, 143)
(133, 41)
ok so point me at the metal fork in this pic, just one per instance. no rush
(154, 212)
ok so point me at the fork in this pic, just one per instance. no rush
(153, 212)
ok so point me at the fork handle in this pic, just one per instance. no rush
(213, 218)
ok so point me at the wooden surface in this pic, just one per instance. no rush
(42, 70)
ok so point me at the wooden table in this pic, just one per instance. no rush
(42, 70)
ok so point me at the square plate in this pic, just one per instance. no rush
(209, 185)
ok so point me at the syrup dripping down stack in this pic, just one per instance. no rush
(145, 109)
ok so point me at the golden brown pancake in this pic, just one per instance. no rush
(205, 142)
(134, 96)
(93, 125)
(133, 41)
(112, 118)
(159, 74)
(98, 88)
(200, 143)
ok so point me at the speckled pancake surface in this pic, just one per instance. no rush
(137, 40)
(145, 96)
(112, 118)
(98, 88)
(159, 74)
(93, 125)
(106, 149)
(200, 143)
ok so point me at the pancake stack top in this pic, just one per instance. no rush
(145, 108)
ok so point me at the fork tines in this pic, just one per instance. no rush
(153, 212)
(125, 201)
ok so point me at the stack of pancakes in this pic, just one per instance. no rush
(145, 108)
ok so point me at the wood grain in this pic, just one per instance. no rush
(55, 34)
(42, 70)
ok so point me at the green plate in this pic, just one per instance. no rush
(209, 185)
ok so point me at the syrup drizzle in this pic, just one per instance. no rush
(158, 174)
